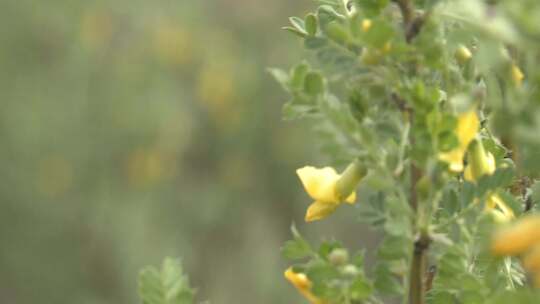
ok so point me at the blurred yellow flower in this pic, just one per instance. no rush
(531, 261)
(216, 92)
(147, 166)
(517, 75)
(483, 163)
(173, 44)
(96, 29)
(463, 54)
(518, 237)
(366, 25)
(329, 189)
(303, 285)
(55, 176)
(521, 238)
(467, 127)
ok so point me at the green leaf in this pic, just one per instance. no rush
(379, 34)
(501, 178)
(314, 83)
(295, 31)
(298, 73)
(168, 286)
(385, 282)
(298, 24)
(315, 43)
(371, 7)
(512, 202)
(297, 248)
(360, 289)
(311, 24)
(337, 32)
(280, 76)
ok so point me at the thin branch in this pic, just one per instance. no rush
(412, 24)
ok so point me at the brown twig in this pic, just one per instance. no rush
(430, 276)
(412, 24)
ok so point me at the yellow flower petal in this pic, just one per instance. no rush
(467, 127)
(454, 159)
(366, 25)
(303, 284)
(320, 184)
(517, 238)
(517, 75)
(495, 202)
(487, 167)
(499, 216)
(351, 199)
(319, 210)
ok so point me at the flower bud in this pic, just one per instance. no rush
(517, 75)
(480, 162)
(339, 256)
(350, 271)
(366, 25)
(463, 54)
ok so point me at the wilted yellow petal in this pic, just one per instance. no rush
(319, 210)
(303, 284)
(320, 184)
(517, 238)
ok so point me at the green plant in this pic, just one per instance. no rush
(437, 101)
(167, 285)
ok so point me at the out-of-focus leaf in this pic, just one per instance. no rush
(297, 248)
(166, 286)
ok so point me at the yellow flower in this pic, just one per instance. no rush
(483, 163)
(467, 127)
(366, 25)
(329, 189)
(531, 261)
(518, 238)
(303, 284)
(477, 167)
(517, 75)
(499, 210)
(463, 54)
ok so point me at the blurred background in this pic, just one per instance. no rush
(134, 130)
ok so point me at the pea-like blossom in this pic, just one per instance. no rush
(303, 285)
(466, 129)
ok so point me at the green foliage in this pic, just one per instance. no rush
(168, 285)
(387, 85)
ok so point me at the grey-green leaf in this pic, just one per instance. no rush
(166, 286)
